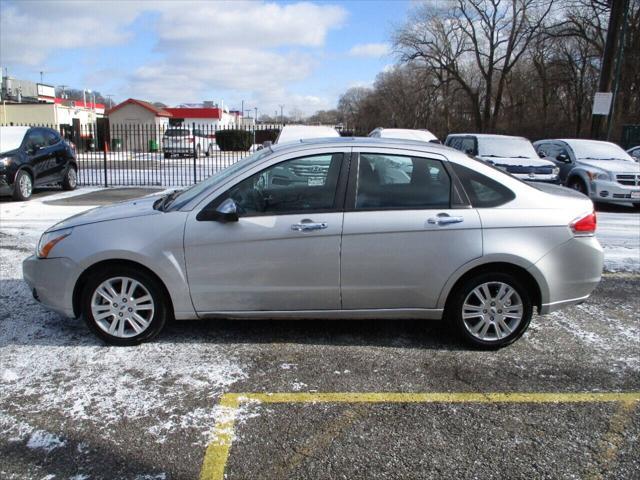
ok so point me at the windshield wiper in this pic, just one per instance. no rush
(492, 156)
(165, 201)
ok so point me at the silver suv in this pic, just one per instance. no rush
(378, 229)
(600, 170)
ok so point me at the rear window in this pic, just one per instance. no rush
(177, 133)
(483, 191)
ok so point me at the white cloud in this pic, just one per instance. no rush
(202, 49)
(370, 50)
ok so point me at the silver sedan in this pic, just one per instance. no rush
(332, 229)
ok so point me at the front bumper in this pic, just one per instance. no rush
(537, 178)
(51, 281)
(5, 187)
(613, 192)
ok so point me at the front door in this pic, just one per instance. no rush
(402, 240)
(41, 156)
(283, 253)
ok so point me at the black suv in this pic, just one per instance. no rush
(33, 157)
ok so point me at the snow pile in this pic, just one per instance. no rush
(619, 234)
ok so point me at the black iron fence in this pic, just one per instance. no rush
(159, 154)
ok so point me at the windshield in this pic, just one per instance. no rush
(177, 132)
(513, 147)
(595, 150)
(190, 193)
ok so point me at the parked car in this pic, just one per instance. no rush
(184, 141)
(515, 155)
(635, 153)
(421, 135)
(295, 133)
(600, 170)
(35, 157)
(458, 240)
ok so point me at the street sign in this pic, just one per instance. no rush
(602, 103)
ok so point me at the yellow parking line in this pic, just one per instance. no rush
(217, 453)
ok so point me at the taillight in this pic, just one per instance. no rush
(585, 225)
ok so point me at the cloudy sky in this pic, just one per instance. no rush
(302, 54)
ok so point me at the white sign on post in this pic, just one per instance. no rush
(602, 103)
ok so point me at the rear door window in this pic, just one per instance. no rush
(483, 192)
(399, 182)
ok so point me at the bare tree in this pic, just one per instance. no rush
(476, 44)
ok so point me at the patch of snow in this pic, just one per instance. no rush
(45, 441)
(619, 235)
(297, 386)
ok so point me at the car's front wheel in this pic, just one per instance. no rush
(70, 180)
(491, 310)
(22, 186)
(579, 185)
(124, 306)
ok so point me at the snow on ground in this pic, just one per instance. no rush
(619, 234)
(53, 364)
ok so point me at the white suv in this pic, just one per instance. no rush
(180, 141)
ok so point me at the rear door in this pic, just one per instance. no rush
(403, 235)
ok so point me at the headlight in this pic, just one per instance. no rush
(5, 162)
(598, 175)
(555, 172)
(50, 240)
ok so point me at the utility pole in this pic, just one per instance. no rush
(281, 115)
(63, 95)
(256, 109)
(242, 110)
(616, 79)
(608, 57)
(41, 76)
(109, 95)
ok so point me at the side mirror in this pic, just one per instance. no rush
(469, 151)
(226, 212)
(541, 154)
(562, 158)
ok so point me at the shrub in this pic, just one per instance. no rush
(234, 140)
(267, 135)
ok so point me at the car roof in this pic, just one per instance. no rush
(365, 142)
(293, 133)
(485, 135)
(407, 133)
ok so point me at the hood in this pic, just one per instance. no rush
(519, 162)
(8, 153)
(615, 166)
(139, 207)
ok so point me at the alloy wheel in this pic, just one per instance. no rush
(122, 307)
(72, 178)
(25, 185)
(492, 311)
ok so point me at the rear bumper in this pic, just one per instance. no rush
(572, 271)
(51, 281)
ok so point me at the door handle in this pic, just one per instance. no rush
(307, 225)
(444, 219)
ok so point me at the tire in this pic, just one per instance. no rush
(636, 206)
(198, 151)
(70, 180)
(152, 312)
(167, 155)
(22, 186)
(579, 185)
(209, 151)
(502, 330)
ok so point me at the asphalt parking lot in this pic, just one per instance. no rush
(316, 400)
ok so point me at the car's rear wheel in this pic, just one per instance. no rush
(22, 186)
(579, 185)
(124, 306)
(167, 155)
(491, 310)
(210, 150)
(70, 180)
